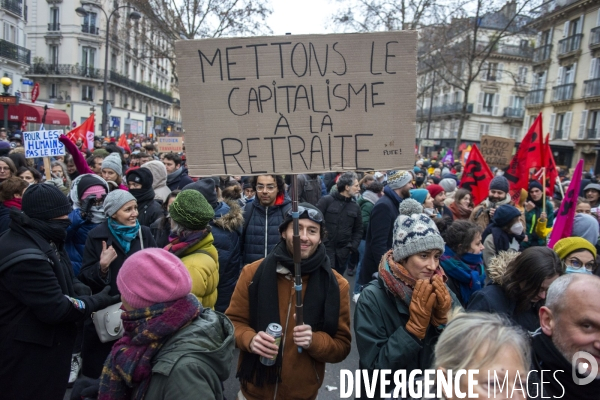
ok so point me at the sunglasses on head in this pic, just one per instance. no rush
(313, 215)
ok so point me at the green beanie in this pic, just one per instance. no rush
(191, 210)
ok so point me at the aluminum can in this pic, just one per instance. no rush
(276, 331)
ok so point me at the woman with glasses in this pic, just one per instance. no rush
(7, 168)
(577, 255)
(519, 285)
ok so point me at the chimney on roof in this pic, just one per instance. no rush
(509, 9)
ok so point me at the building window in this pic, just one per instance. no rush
(126, 67)
(53, 54)
(88, 58)
(484, 129)
(522, 76)
(89, 23)
(593, 131)
(54, 24)
(87, 93)
(10, 33)
(488, 103)
(492, 72)
(113, 62)
(53, 90)
(514, 132)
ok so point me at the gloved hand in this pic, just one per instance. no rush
(442, 304)
(100, 300)
(81, 289)
(58, 182)
(85, 388)
(86, 207)
(420, 309)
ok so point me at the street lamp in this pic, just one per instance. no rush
(6, 99)
(133, 15)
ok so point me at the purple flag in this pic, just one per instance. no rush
(563, 225)
(449, 157)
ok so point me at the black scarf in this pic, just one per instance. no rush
(142, 196)
(53, 230)
(547, 357)
(502, 239)
(321, 306)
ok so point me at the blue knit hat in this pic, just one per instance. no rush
(504, 214)
(419, 195)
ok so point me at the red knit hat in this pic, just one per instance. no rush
(434, 190)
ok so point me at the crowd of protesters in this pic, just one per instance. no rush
(203, 265)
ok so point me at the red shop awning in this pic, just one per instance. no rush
(34, 114)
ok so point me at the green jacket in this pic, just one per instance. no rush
(366, 207)
(381, 337)
(531, 219)
(194, 362)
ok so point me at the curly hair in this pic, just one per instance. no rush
(460, 234)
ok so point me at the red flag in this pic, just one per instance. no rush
(477, 176)
(123, 143)
(529, 155)
(563, 225)
(85, 132)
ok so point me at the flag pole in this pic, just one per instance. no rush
(297, 255)
(544, 190)
(562, 191)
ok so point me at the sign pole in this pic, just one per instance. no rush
(297, 255)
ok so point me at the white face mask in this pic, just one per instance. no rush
(517, 229)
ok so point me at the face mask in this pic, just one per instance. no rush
(97, 214)
(419, 181)
(571, 270)
(517, 229)
(429, 211)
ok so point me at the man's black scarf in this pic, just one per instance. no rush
(321, 306)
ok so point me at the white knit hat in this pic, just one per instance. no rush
(414, 232)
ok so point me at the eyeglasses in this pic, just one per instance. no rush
(313, 215)
(268, 188)
(578, 264)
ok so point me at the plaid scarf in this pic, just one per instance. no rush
(128, 368)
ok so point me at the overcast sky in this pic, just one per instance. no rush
(301, 17)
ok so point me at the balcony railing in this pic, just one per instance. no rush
(507, 49)
(541, 54)
(535, 96)
(13, 6)
(595, 37)
(96, 73)
(558, 134)
(512, 112)
(569, 44)
(446, 109)
(563, 92)
(592, 134)
(13, 52)
(89, 29)
(591, 88)
(54, 26)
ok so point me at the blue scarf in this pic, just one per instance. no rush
(467, 270)
(123, 233)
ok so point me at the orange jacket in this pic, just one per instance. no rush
(301, 373)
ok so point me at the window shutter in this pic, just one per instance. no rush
(525, 71)
(499, 72)
(538, 39)
(544, 76)
(593, 68)
(566, 29)
(552, 122)
(567, 127)
(559, 76)
(580, 25)
(496, 103)
(512, 101)
(582, 125)
(574, 71)
(480, 103)
(598, 18)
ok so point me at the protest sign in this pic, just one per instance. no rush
(170, 144)
(43, 144)
(297, 104)
(497, 151)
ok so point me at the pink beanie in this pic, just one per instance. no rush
(98, 190)
(153, 276)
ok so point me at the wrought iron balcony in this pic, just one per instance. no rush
(595, 37)
(542, 53)
(569, 44)
(54, 26)
(446, 109)
(591, 88)
(592, 134)
(558, 134)
(507, 49)
(85, 28)
(13, 6)
(563, 92)
(535, 96)
(515, 113)
(13, 52)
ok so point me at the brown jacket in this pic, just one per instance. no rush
(301, 373)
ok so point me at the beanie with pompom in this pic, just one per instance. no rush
(414, 232)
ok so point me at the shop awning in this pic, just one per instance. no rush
(35, 114)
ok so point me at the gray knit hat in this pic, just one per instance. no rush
(414, 232)
(399, 179)
(593, 186)
(499, 183)
(115, 200)
(113, 161)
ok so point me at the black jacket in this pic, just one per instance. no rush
(4, 218)
(90, 268)
(309, 189)
(380, 234)
(37, 320)
(492, 299)
(181, 181)
(150, 212)
(343, 222)
(161, 229)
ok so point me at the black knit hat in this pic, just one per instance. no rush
(206, 187)
(141, 175)
(42, 201)
(86, 182)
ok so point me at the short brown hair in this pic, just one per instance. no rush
(11, 186)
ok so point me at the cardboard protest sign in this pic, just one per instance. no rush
(297, 104)
(43, 144)
(497, 151)
(170, 144)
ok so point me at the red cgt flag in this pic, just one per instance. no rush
(477, 176)
(529, 155)
(85, 132)
(123, 143)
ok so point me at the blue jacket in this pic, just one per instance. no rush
(77, 235)
(380, 233)
(227, 228)
(261, 228)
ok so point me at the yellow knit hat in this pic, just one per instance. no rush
(566, 246)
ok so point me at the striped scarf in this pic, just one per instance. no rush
(128, 368)
(396, 278)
